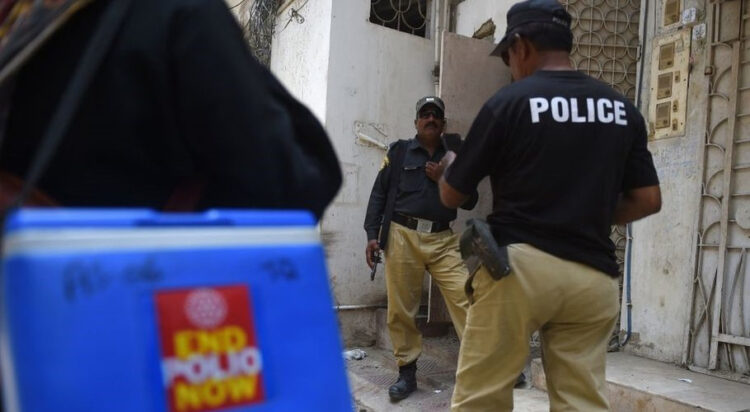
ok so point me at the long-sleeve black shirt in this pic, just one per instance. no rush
(417, 195)
(177, 96)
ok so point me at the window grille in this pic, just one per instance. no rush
(408, 16)
(605, 40)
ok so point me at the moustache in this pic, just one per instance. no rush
(431, 124)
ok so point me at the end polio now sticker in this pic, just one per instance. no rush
(210, 357)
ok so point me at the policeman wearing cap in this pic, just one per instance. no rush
(567, 158)
(406, 219)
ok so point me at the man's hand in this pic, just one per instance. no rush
(434, 170)
(372, 248)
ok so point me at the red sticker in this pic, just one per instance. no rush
(210, 356)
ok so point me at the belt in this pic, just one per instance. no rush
(420, 225)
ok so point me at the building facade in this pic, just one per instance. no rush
(362, 64)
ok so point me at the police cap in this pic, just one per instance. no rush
(433, 100)
(532, 11)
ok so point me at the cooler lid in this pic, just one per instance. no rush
(55, 218)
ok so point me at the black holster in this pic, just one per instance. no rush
(479, 248)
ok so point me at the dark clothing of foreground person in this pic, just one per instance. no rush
(178, 105)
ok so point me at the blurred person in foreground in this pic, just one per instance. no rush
(567, 158)
(179, 115)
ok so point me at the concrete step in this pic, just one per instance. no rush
(644, 385)
(370, 378)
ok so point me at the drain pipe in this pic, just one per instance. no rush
(341, 308)
(629, 226)
(628, 297)
(440, 13)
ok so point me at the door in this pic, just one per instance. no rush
(719, 330)
(468, 77)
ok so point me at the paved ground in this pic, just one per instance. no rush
(644, 385)
(635, 384)
(371, 377)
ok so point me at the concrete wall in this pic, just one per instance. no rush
(376, 75)
(349, 71)
(664, 245)
(300, 53)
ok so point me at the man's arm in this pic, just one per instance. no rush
(478, 154)
(637, 203)
(376, 205)
(375, 210)
(641, 195)
(449, 196)
(452, 142)
(471, 201)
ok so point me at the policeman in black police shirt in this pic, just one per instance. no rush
(567, 158)
(418, 237)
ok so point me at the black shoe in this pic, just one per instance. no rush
(406, 383)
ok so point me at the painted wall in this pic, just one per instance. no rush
(376, 75)
(300, 53)
(350, 71)
(664, 244)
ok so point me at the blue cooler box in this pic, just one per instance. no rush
(133, 310)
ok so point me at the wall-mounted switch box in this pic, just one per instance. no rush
(672, 12)
(669, 83)
(699, 32)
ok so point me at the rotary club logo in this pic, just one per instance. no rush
(205, 308)
(210, 357)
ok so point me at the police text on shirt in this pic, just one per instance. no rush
(567, 110)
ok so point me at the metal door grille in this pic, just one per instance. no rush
(605, 46)
(719, 330)
(605, 40)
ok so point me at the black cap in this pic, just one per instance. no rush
(434, 100)
(532, 11)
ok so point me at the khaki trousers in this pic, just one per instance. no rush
(408, 255)
(572, 305)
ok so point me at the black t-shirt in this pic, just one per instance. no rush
(417, 195)
(559, 148)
